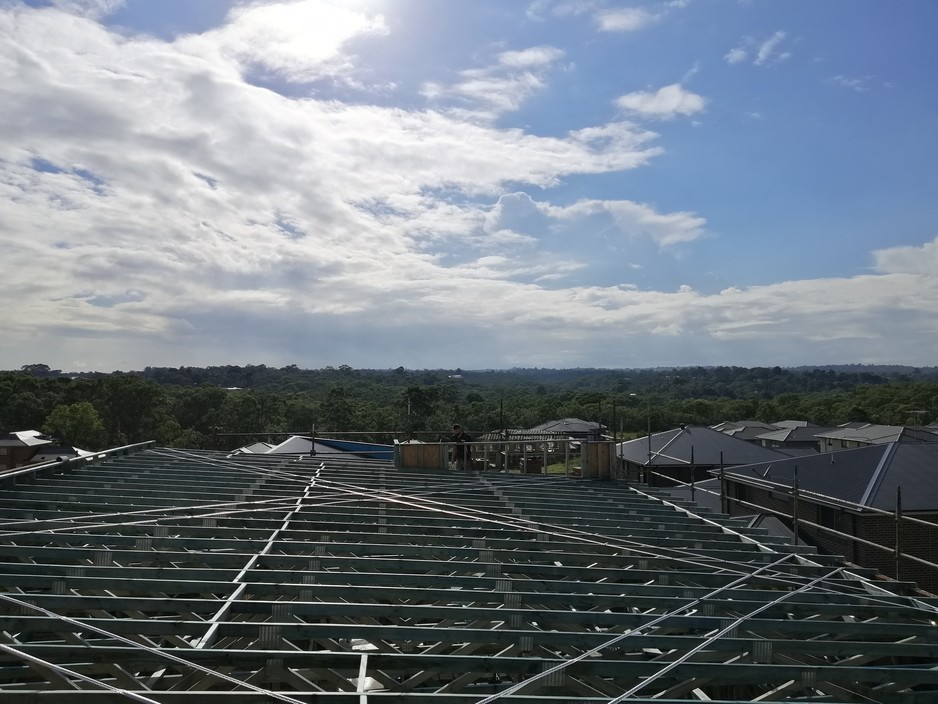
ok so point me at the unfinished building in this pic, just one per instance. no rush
(195, 577)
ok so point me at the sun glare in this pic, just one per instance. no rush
(303, 34)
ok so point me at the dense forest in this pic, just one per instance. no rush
(227, 406)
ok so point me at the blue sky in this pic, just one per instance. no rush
(482, 184)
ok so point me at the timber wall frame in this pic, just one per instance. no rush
(190, 576)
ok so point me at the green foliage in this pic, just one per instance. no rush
(76, 424)
(204, 407)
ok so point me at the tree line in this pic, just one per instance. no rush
(227, 406)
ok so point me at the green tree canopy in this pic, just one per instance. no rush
(76, 424)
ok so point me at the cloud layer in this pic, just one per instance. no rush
(161, 204)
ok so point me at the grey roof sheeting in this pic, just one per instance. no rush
(793, 424)
(745, 429)
(193, 578)
(865, 476)
(568, 425)
(24, 438)
(872, 433)
(673, 447)
(795, 434)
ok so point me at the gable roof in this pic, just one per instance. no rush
(301, 445)
(793, 424)
(865, 476)
(24, 438)
(568, 426)
(794, 434)
(872, 433)
(709, 447)
(745, 429)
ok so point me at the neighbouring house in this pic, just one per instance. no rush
(19, 447)
(792, 424)
(803, 437)
(531, 449)
(687, 454)
(573, 428)
(856, 493)
(853, 435)
(308, 446)
(745, 429)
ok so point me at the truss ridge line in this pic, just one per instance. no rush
(209, 636)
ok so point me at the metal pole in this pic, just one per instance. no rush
(723, 506)
(898, 529)
(648, 417)
(794, 505)
(693, 475)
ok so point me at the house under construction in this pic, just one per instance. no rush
(161, 575)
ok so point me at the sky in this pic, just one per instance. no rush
(477, 184)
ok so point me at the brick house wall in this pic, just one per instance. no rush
(917, 539)
(15, 456)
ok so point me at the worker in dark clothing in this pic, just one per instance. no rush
(461, 452)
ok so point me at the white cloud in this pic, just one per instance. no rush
(860, 84)
(152, 167)
(921, 260)
(498, 93)
(520, 213)
(157, 208)
(301, 40)
(665, 103)
(628, 19)
(735, 56)
(766, 52)
(94, 9)
(533, 57)
(537, 9)
(638, 220)
(485, 93)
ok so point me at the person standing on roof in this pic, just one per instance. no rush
(462, 454)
